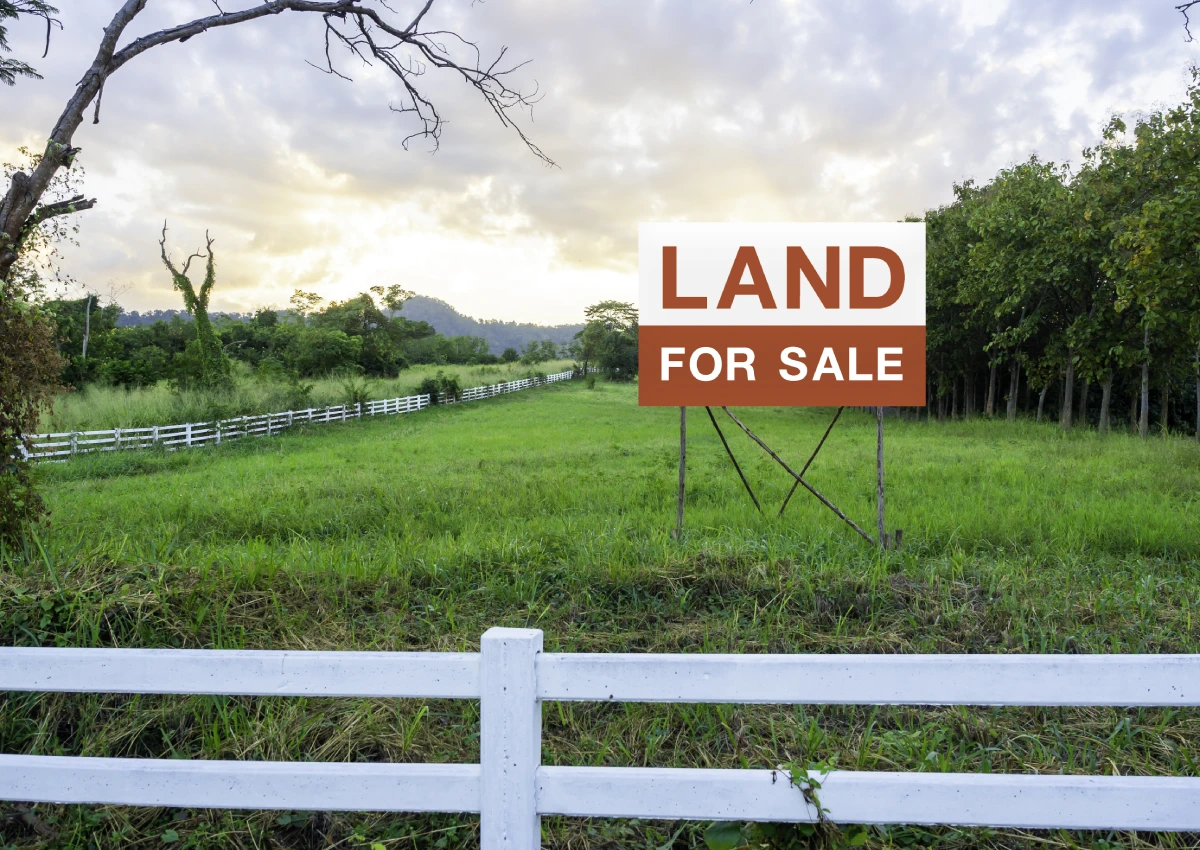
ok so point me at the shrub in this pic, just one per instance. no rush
(440, 385)
(450, 386)
(355, 390)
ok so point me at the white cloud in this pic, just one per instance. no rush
(674, 109)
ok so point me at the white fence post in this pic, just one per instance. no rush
(187, 430)
(510, 739)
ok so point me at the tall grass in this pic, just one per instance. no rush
(96, 407)
(553, 509)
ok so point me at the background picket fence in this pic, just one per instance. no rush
(511, 789)
(69, 443)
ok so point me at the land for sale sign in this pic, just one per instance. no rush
(781, 314)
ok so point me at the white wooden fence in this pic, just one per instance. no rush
(511, 789)
(70, 443)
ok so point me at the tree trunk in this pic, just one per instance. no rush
(1014, 385)
(1083, 399)
(87, 326)
(969, 396)
(1144, 420)
(1068, 391)
(1042, 401)
(1105, 402)
(19, 208)
(954, 399)
(990, 407)
(1165, 419)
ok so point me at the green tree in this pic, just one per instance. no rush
(955, 338)
(609, 339)
(29, 370)
(304, 304)
(85, 336)
(392, 297)
(212, 370)
(613, 315)
(1157, 259)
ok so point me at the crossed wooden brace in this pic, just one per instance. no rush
(799, 476)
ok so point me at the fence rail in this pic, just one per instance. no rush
(511, 789)
(189, 434)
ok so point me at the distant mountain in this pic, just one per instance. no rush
(499, 335)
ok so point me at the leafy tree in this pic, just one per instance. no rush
(613, 315)
(322, 351)
(1155, 264)
(304, 304)
(609, 339)
(510, 355)
(392, 297)
(950, 331)
(83, 327)
(212, 366)
(29, 368)
(539, 351)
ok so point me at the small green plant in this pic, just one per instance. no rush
(356, 390)
(591, 382)
(823, 833)
(441, 388)
(297, 393)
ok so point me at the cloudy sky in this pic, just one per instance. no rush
(653, 109)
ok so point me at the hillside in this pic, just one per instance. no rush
(499, 335)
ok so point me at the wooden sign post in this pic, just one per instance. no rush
(782, 315)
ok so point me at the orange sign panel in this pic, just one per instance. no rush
(781, 314)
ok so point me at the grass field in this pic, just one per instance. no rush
(552, 509)
(98, 407)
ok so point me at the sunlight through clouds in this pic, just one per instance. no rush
(671, 110)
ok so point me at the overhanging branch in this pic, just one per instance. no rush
(356, 26)
(71, 205)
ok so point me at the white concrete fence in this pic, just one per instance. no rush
(511, 789)
(189, 434)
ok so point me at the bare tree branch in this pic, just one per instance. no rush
(166, 258)
(406, 51)
(77, 203)
(1183, 8)
(359, 39)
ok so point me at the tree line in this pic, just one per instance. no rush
(351, 336)
(1074, 292)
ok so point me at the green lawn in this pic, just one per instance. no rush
(552, 508)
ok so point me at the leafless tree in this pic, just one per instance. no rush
(370, 30)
